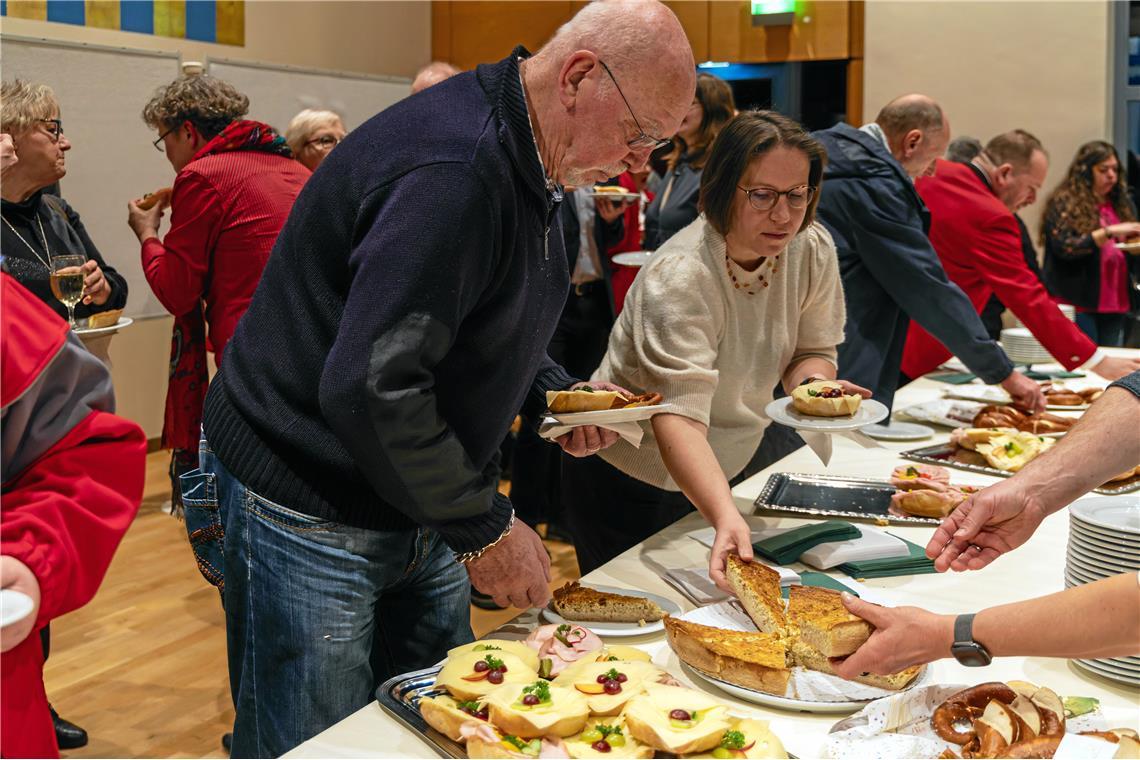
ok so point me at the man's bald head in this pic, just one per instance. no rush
(917, 131)
(432, 74)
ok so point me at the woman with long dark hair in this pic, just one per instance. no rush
(1085, 217)
(675, 204)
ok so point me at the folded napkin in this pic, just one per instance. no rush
(914, 564)
(694, 583)
(788, 545)
(1034, 374)
(962, 378)
(629, 431)
(953, 378)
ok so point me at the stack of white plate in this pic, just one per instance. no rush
(1104, 540)
(1023, 348)
(1069, 311)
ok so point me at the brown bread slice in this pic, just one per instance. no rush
(809, 657)
(758, 588)
(824, 623)
(753, 660)
(577, 602)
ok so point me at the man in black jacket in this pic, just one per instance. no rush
(890, 271)
(401, 322)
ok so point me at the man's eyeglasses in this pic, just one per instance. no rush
(55, 130)
(765, 198)
(158, 143)
(327, 142)
(642, 140)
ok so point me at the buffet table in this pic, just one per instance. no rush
(1034, 569)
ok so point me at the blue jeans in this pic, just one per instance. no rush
(318, 614)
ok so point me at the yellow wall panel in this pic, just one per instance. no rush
(170, 18)
(32, 9)
(230, 22)
(102, 13)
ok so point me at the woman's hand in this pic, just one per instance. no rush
(733, 536)
(17, 576)
(8, 156)
(96, 288)
(903, 636)
(851, 389)
(144, 222)
(1125, 230)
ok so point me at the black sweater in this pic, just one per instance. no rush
(402, 320)
(65, 235)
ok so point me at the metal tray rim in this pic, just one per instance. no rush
(409, 717)
(761, 501)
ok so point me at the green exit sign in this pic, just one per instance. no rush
(773, 12)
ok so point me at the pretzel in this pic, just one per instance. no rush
(967, 705)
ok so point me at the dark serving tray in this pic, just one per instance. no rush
(948, 455)
(400, 697)
(832, 496)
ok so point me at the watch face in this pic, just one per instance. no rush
(971, 654)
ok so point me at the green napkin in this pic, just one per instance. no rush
(954, 378)
(1034, 374)
(822, 580)
(788, 546)
(914, 564)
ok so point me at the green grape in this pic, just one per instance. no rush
(720, 753)
(591, 736)
(616, 740)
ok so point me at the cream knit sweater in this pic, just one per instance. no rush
(713, 351)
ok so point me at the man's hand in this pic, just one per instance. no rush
(8, 156)
(1025, 393)
(903, 636)
(144, 223)
(610, 209)
(17, 576)
(1112, 368)
(733, 536)
(515, 571)
(96, 289)
(988, 524)
(590, 439)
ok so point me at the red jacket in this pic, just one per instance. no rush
(979, 243)
(73, 479)
(226, 211)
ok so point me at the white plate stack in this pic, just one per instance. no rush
(1023, 348)
(1104, 540)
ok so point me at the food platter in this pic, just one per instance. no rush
(832, 496)
(400, 697)
(868, 413)
(989, 394)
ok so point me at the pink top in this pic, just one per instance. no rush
(1113, 269)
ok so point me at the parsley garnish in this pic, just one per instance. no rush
(485, 648)
(493, 662)
(612, 674)
(608, 730)
(732, 740)
(540, 689)
(473, 706)
(911, 472)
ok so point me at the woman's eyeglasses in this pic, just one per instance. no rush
(328, 142)
(158, 143)
(765, 198)
(55, 128)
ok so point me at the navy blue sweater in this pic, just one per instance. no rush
(402, 320)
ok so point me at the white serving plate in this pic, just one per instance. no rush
(897, 431)
(91, 332)
(619, 630)
(1129, 247)
(1095, 571)
(1118, 514)
(1104, 538)
(632, 258)
(868, 413)
(1097, 669)
(1097, 555)
(610, 416)
(624, 196)
(14, 606)
(989, 394)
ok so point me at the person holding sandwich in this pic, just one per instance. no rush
(745, 297)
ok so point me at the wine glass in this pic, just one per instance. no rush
(67, 282)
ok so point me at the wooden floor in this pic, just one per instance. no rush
(143, 666)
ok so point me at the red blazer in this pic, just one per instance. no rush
(73, 479)
(979, 243)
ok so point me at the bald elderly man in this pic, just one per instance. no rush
(890, 271)
(351, 438)
(432, 74)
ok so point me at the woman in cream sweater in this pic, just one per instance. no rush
(745, 297)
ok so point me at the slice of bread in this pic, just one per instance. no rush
(809, 657)
(758, 588)
(824, 623)
(104, 318)
(753, 660)
(582, 603)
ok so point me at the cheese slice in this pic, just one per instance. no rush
(494, 646)
(583, 677)
(451, 677)
(566, 706)
(648, 718)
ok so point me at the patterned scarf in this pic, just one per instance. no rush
(189, 376)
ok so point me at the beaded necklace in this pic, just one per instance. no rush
(45, 262)
(772, 262)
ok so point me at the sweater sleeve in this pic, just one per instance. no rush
(177, 267)
(414, 282)
(118, 283)
(823, 312)
(1065, 242)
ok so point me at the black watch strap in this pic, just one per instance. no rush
(965, 650)
(964, 628)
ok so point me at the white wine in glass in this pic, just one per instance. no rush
(67, 283)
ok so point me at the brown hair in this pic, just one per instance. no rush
(1015, 147)
(208, 103)
(749, 136)
(910, 112)
(715, 97)
(1073, 204)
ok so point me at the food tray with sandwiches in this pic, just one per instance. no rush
(1059, 398)
(831, 496)
(951, 455)
(400, 697)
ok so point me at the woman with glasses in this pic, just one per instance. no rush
(235, 185)
(745, 297)
(312, 134)
(37, 224)
(675, 205)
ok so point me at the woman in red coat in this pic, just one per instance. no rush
(73, 478)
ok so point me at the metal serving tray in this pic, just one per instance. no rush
(400, 698)
(943, 454)
(832, 496)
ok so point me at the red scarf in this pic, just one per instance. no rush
(189, 376)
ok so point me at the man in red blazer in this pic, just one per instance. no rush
(978, 241)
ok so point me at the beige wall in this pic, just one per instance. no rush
(1040, 66)
(369, 37)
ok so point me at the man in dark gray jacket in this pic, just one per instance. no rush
(890, 271)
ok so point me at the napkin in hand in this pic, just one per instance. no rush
(916, 563)
(787, 546)
(630, 432)
(695, 583)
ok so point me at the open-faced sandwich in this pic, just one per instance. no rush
(537, 709)
(825, 398)
(589, 399)
(676, 719)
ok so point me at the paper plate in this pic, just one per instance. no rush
(14, 606)
(898, 431)
(619, 630)
(868, 413)
(609, 416)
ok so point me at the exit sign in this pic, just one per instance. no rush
(773, 12)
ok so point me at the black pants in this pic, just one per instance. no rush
(608, 511)
(579, 343)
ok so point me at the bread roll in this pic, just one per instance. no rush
(825, 398)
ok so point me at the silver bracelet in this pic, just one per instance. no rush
(464, 558)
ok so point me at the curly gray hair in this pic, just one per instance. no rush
(208, 103)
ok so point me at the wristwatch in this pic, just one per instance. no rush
(965, 650)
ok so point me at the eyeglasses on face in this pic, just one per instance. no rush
(765, 198)
(54, 128)
(327, 142)
(642, 140)
(158, 143)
